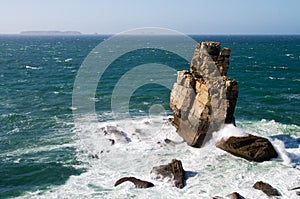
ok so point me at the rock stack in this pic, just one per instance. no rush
(203, 98)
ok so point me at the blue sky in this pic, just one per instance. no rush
(187, 16)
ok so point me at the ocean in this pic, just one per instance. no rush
(45, 153)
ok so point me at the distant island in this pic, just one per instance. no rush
(52, 32)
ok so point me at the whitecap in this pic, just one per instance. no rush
(291, 96)
(93, 99)
(229, 130)
(73, 108)
(281, 78)
(17, 161)
(68, 60)
(33, 67)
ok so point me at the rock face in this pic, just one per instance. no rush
(172, 173)
(252, 148)
(266, 188)
(203, 98)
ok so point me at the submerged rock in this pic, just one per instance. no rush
(235, 195)
(203, 98)
(137, 182)
(295, 188)
(114, 135)
(95, 156)
(252, 148)
(266, 188)
(172, 173)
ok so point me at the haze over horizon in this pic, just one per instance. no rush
(190, 17)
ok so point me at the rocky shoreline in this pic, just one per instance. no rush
(203, 100)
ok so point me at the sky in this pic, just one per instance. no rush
(187, 16)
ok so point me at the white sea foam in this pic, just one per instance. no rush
(282, 151)
(228, 131)
(211, 171)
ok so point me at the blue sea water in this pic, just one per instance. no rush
(38, 142)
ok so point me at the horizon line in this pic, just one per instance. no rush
(109, 34)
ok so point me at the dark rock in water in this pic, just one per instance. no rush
(171, 142)
(172, 172)
(137, 182)
(266, 188)
(95, 156)
(252, 148)
(235, 195)
(295, 188)
(112, 141)
(203, 98)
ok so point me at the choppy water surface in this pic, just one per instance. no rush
(44, 155)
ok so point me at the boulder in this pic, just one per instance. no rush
(203, 98)
(266, 188)
(252, 148)
(172, 173)
(235, 195)
(137, 182)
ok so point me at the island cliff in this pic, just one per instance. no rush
(203, 98)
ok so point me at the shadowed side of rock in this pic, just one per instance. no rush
(172, 173)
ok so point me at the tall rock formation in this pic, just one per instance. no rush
(203, 98)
